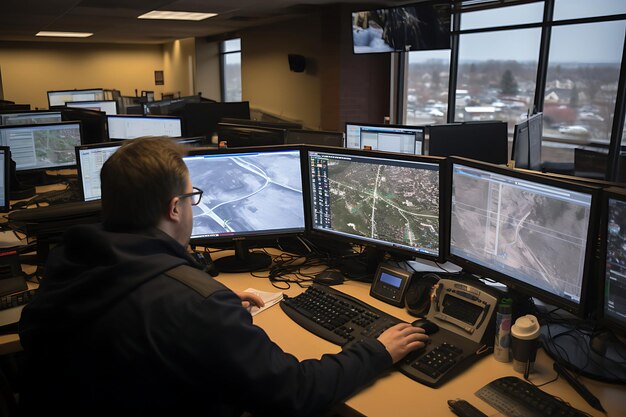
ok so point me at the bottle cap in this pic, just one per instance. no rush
(526, 327)
(505, 306)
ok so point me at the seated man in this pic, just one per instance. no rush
(124, 322)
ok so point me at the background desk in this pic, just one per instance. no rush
(396, 395)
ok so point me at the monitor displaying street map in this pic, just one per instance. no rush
(247, 194)
(377, 199)
(529, 232)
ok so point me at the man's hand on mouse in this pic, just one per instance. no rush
(401, 339)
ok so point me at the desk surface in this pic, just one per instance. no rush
(395, 394)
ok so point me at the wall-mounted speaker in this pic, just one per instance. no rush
(297, 63)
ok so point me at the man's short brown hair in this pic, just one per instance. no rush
(139, 180)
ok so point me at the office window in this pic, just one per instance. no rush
(230, 56)
(573, 9)
(581, 87)
(427, 87)
(497, 74)
(507, 16)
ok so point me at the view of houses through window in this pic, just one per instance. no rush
(230, 54)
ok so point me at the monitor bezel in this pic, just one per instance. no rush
(391, 248)
(94, 102)
(388, 126)
(605, 320)
(7, 180)
(72, 91)
(514, 284)
(39, 125)
(254, 236)
(78, 149)
(138, 116)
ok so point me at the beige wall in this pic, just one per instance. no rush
(31, 69)
(178, 66)
(267, 82)
(208, 69)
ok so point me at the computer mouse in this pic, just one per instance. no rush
(329, 278)
(428, 326)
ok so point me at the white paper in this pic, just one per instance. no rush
(269, 298)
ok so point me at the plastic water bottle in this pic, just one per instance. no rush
(502, 345)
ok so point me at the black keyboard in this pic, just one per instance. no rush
(343, 320)
(515, 397)
(16, 300)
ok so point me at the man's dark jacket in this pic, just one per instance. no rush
(109, 332)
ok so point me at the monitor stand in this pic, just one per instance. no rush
(594, 357)
(17, 190)
(243, 260)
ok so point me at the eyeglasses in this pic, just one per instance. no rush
(195, 195)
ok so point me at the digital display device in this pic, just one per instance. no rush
(414, 27)
(89, 161)
(389, 138)
(60, 97)
(485, 141)
(43, 145)
(29, 118)
(5, 166)
(131, 127)
(613, 256)
(201, 119)
(535, 234)
(243, 135)
(382, 200)
(526, 149)
(93, 123)
(107, 106)
(248, 195)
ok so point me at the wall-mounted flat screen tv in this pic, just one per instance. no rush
(414, 27)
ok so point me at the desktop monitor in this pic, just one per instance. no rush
(30, 118)
(485, 141)
(613, 260)
(131, 127)
(249, 194)
(93, 123)
(201, 119)
(42, 146)
(245, 135)
(387, 201)
(5, 170)
(89, 161)
(107, 106)
(413, 27)
(389, 138)
(60, 97)
(535, 234)
(314, 137)
(526, 149)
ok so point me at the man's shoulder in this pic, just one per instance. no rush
(195, 279)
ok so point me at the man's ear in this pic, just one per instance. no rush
(173, 210)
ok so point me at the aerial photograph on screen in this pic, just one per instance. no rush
(56, 146)
(531, 236)
(396, 204)
(257, 192)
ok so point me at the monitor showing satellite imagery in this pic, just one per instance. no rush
(378, 200)
(530, 231)
(247, 193)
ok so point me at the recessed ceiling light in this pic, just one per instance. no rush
(65, 34)
(169, 15)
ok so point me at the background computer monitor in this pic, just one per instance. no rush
(613, 260)
(107, 106)
(314, 137)
(248, 195)
(93, 123)
(485, 141)
(60, 97)
(520, 149)
(237, 135)
(89, 161)
(389, 138)
(535, 134)
(29, 118)
(201, 119)
(535, 234)
(5, 170)
(42, 146)
(389, 202)
(131, 127)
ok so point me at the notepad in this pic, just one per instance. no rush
(269, 298)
